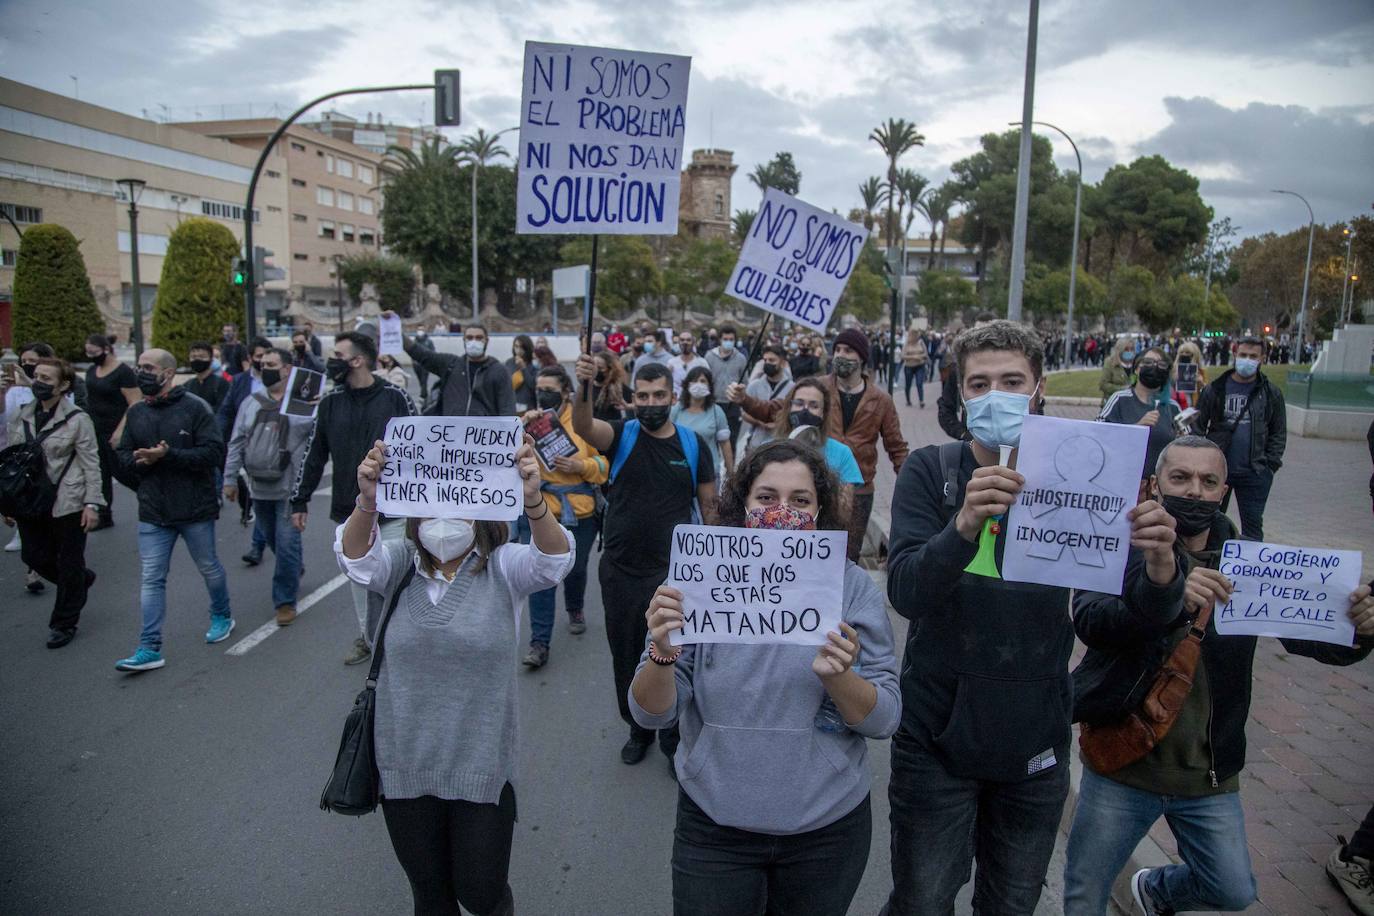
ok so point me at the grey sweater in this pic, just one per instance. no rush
(297, 434)
(446, 695)
(752, 756)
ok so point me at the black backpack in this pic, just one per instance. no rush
(26, 491)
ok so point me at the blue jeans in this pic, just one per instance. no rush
(1112, 818)
(543, 604)
(940, 820)
(274, 515)
(155, 543)
(1252, 492)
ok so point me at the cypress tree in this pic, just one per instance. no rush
(196, 295)
(53, 301)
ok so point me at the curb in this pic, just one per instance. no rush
(1067, 401)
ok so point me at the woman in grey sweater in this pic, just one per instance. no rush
(773, 811)
(445, 732)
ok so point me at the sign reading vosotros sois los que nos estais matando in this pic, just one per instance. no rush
(601, 134)
(753, 585)
(796, 260)
(451, 467)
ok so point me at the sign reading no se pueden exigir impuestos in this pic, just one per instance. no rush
(451, 467)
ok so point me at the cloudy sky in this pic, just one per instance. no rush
(1249, 95)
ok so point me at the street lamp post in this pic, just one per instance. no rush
(476, 166)
(1345, 278)
(1073, 255)
(1307, 272)
(134, 188)
(338, 289)
(1018, 235)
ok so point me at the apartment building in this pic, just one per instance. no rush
(372, 134)
(60, 162)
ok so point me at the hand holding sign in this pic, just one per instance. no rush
(392, 340)
(839, 653)
(369, 472)
(664, 616)
(1152, 532)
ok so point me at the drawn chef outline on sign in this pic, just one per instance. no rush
(1078, 461)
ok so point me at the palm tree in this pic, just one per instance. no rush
(938, 204)
(764, 176)
(431, 156)
(871, 192)
(895, 138)
(741, 223)
(482, 147)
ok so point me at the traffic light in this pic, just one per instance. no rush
(1267, 329)
(446, 98)
(238, 274)
(262, 269)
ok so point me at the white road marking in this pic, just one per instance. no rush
(267, 629)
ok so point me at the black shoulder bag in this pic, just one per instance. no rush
(26, 491)
(354, 786)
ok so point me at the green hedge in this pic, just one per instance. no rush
(196, 296)
(393, 278)
(53, 301)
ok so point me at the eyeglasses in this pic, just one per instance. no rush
(1157, 363)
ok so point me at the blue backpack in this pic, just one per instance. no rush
(687, 438)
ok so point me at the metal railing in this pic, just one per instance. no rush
(1331, 392)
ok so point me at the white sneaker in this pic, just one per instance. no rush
(13, 546)
(1354, 878)
(1142, 897)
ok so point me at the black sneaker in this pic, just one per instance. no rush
(253, 557)
(634, 751)
(34, 583)
(577, 623)
(59, 638)
(537, 657)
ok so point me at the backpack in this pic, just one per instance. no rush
(26, 491)
(687, 438)
(265, 452)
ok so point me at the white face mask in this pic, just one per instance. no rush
(475, 349)
(446, 538)
(698, 389)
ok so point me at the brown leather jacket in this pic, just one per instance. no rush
(875, 416)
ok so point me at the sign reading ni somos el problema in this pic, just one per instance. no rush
(601, 134)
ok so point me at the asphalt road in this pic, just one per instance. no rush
(194, 788)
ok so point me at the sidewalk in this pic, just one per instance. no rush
(1309, 771)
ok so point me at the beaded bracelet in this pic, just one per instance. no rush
(660, 660)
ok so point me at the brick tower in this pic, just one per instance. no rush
(704, 206)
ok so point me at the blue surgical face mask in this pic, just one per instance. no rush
(994, 419)
(648, 346)
(727, 345)
(1127, 356)
(1246, 367)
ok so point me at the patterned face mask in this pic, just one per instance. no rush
(781, 517)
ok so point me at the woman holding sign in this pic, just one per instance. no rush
(445, 732)
(773, 811)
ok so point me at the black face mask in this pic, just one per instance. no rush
(336, 369)
(256, 364)
(199, 365)
(42, 391)
(299, 348)
(270, 377)
(1191, 516)
(803, 418)
(150, 383)
(652, 418)
(28, 369)
(771, 370)
(548, 400)
(1153, 376)
(844, 367)
(600, 378)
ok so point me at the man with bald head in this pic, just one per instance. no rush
(169, 455)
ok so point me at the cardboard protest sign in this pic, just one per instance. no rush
(391, 340)
(451, 467)
(601, 135)
(1292, 592)
(1069, 526)
(1187, 378)
(754, 585)
(796, 260)
(304, 388)
(551, 440)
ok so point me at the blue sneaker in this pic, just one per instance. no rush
(144, 659)
(220, 628)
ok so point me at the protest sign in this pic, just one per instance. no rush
(551, 440)
(1187, 378)
(1069, 527)
(755, 585)
(451, 467)
(601, 135)
(391, 341)
(1288, 592)
(304, 388)
(796, 260)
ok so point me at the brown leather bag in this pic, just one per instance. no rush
(1108, 748)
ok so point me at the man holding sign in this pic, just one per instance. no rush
(774, 808)
(1191, 775)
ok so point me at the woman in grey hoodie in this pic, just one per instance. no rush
(773, 810)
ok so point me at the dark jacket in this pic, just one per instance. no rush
(1269, 420)
(985, 679)
(950, 407)
(1118, 630)
(307, 360)
(348, 422)
(489, 395)
(180, 488)
(212, 391)
(240, 387)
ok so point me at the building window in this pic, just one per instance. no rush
(367, 237)
(22, 214)
(7, 257)
(345, 201)
(221, 210)
(326, 229)
(329, 164)
(347, 232)
(324, 196)
(301, 257)
(345, 169)
(272, 209)
(297, 217)
(316, 303)
(720, 205)
(365, 206)
(297, 183)
(298, 147)
(273, 174)
(365, 174)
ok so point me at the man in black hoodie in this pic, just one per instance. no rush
(980, 760)
(471, 385)
(351, 417)
(1192, 776)
(170, 453)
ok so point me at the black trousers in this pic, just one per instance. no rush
(1362, 843)
(55, 548)
(625, 599)
(107, 463)
(453, 851)
(860, 509)
(733, 417)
